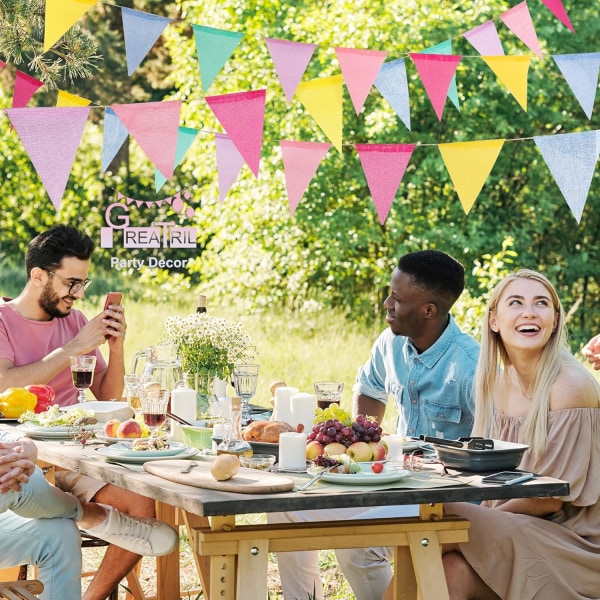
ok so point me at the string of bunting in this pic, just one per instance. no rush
(155, 126)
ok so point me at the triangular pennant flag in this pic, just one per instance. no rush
(359, 69)
(446, 48)
(229, 163)
(154, 125)
(384, 166)
(290, 60)
(484, 38)
(512, 72)
(51, 137)
(67, 99)
(469, 164)
(60, 16)
(242, 115)
(140, 30)
(392, 84)
(115, 134)
(581, 72)
(25, 87)
(558, 10)
(571, 158)
(322, 98)
(2, 64)
(300, 163)
(213, 47)
(436, 72)
(518, 20)
(185, 138)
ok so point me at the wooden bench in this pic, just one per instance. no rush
(21, 590)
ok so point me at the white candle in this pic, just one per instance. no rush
(303, 410)
(282, 410)
(394, 444)
(292, 450)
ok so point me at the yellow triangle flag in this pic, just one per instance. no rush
(512, 72)
(322, 98)
(67, 99)
(469, 164)
(60, 16)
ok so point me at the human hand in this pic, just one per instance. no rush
(592, 351)
(114, 319)
(17, 463)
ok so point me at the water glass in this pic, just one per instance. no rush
(134, 388)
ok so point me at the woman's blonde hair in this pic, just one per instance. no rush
(493, 355)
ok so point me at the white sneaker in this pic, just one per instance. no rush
(141, 535)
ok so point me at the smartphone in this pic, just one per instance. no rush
(507, 477)
(112, 298)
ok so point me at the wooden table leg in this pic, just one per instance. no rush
(167, 567)
(222, 567)
(190, 521)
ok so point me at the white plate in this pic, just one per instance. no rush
(143, 457)
(365, 477)
(115, 440)
(124, 449)
(60, 432)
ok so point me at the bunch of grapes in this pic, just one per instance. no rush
(333, 430)
(333, 411)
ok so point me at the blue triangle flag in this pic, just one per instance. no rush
(392, 83)
(115, 134)
(581, 73)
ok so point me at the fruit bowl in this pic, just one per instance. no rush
(262, 462)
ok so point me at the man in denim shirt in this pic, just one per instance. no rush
(427, 365)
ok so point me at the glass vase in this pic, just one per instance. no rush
(203, 383)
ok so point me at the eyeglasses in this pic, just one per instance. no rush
(415, 460)
(74, 286)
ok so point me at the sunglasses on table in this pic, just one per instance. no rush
(415, 460)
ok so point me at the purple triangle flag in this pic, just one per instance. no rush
(581, 72)
(290, 60)
(392, 83)
(140, 30)
(229, 163)
(115, 133)
(485, 39)
(51, 137)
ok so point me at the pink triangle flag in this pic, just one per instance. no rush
(229, 163)
(518, 20)
(436, 72)
(384, 166)
(300, 161)
(155, 127)
(242, 115)
(290, 60)
(2, 64)
(51, 137)
(359, 68)
(25, 87)
(484, 38)
(558, 10)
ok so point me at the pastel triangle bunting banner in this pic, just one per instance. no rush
(446, 48)
(213, 47)
(114, 134)
(384, 166)
(558, 10)
(512, 72)
(359, 69)
(25, 87)
(68, 99)
(60, 16)
(229, 163)
(242, 115)
(140, 30)
(436, 72)
(581, 72)
(518, 20)
(290, 60)
(154, 125)
(572, 159)
(485, 39)
(300, 162)
(392, 83)
(322, 98)
(51, 137)
(185, 138)
(469, 164)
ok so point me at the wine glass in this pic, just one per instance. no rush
(154, 408)
(82, 371)
(244, 381)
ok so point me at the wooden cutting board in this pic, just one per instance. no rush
(247, 481)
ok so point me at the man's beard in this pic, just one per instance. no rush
(49, 302)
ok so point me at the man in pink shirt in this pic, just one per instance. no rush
(39, 331)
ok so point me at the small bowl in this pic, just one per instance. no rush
(262, 462)
(197, 437)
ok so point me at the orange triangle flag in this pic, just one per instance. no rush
(512, 72)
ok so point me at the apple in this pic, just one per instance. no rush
(129, 429)
(379, 450)
(110, 428)
(335, 449)
(360, 452)
(313, 449)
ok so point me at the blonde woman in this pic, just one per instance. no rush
(530, 389)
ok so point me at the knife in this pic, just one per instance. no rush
(315, 478)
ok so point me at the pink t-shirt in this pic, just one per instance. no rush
(23, 341)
